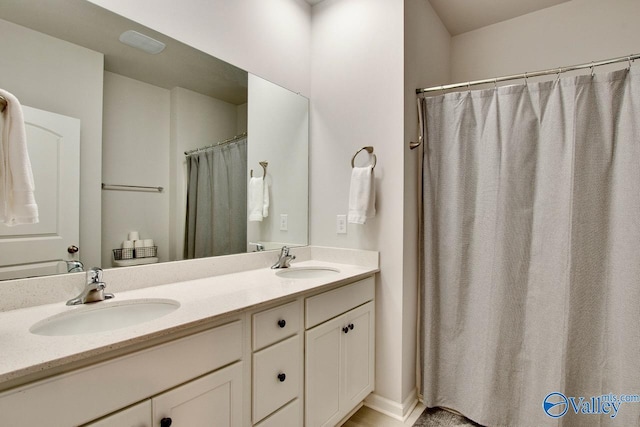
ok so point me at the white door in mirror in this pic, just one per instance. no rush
(53, 142)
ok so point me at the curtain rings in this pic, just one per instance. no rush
(629, 59)
(469, 87)
(526, 79)
(495, 84)
(558, 75)
(593, 71)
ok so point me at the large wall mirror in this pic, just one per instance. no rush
(182, 152)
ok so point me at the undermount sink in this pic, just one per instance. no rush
(102, 317)
(306, 272)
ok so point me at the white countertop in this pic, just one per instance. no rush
(24, 354)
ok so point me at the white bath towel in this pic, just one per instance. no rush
(362, 195)
(17, 202)
(258, 199)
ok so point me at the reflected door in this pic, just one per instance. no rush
(53, 142)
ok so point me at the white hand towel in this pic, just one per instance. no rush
(265, 197)
(362, 195)
(258, 199)
(17, 202)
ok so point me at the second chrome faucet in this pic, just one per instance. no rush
(285, 259)
(93, 290)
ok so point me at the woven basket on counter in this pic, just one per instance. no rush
(130, 253)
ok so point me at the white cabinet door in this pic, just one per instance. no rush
(322, 385)
(359, 354)
(214, 400)
(339, 366)
(135, 416)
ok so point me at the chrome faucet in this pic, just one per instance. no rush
(94, 289)
(74, 266)
(285, 259)
(259, 246)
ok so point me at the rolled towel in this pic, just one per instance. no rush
(362, 195)
(17, 201)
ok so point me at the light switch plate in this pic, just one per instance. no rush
(341, 224)
(284, 222)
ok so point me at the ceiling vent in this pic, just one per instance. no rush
(142, 42)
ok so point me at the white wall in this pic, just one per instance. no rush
(357, 88)
(267, 38)
(53, 75)
(574, 32)
(426, 46)
(135, 151)
(278, 133)
(196, 121)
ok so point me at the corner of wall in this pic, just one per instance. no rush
(427, 62)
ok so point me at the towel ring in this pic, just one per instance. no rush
(369, 150)
(264, 165)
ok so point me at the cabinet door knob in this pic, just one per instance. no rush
(165, 422)
(282, 323)
(345, 330)
(282, 377)
(351, 326)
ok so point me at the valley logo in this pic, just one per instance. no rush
(556, 404)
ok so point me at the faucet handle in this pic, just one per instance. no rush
(287, 261)
(94, 275)
(284, 251)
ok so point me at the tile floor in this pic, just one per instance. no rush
(366, 417)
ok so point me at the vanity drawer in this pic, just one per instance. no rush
(276, 324)
(277, 376)
(333, 303)
(289, 416)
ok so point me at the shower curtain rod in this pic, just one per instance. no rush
(226, 141)
(550, 71)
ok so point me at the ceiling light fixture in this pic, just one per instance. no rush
(142, 42)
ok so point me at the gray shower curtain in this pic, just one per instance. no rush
(217, 201)
(531, 272)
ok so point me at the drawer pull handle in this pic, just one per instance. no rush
(351, 326)
(282, 377)
(165, 422)
(282, 323)
(345, 330)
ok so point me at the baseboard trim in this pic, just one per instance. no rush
(391, 408)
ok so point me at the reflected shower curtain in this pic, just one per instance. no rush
(531, 270)
(217, 201)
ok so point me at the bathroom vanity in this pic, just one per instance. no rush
(258, 347)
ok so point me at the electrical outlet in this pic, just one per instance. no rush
(341, 224)
(284, 222)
